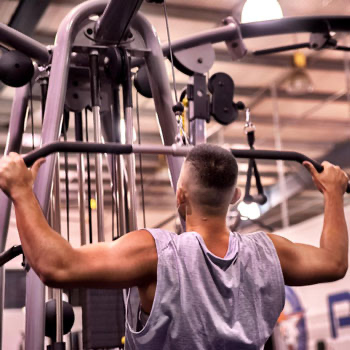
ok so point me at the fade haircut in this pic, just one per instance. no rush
(215, 173)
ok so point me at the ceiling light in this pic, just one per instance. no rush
(249, 211)
(299, 81)
(261, 10)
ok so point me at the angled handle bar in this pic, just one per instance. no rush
(10, 254)
(116, 148)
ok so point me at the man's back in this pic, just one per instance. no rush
(206, 302)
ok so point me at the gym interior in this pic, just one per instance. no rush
(270, 75)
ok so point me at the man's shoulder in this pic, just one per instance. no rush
(141, 239)
(160, 237)
(256, 239)
(252, 236)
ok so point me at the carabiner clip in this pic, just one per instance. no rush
(248, 126)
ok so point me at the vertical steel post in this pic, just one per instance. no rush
(198, 109)
(57, 293)
(121, 195)
(129, 159)
(81, 178)
(112, 129)
(81, 197)
(95, 104)
(161, 92)
(13, 144)
(67, 31)
(59, 315)
(197, 130)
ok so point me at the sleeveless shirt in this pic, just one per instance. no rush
(203, 301)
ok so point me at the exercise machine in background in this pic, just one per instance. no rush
(88, 74)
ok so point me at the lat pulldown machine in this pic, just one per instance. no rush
(89, 64)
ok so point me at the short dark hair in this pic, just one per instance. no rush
(216, 167)
(216, 171)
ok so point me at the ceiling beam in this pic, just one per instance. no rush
(283, 94)
(264, 92)
(283, 61)
(269, 143)
(193, 13)
(327, 123)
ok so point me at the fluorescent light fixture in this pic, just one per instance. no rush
(249, 211)
(261, 10)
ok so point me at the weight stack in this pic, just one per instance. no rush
(103, 318)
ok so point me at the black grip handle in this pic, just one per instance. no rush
(280, 155)
(116, 148)
(10, 254)
(75, 147)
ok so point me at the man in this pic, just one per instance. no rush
(207, 288)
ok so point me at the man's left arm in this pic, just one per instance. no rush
(129, 261)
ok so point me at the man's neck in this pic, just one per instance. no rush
(213, 230)
(207, 226)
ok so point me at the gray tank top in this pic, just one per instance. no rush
(203, 301)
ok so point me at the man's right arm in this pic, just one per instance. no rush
(304, 264)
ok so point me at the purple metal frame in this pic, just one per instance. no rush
(13, 144)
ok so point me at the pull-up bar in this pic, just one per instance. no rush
(175, 150)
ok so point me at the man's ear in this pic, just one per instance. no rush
(180, 196)
(236, 195)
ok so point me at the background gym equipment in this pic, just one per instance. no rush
(16, 69)
(89, 69)
(10, 254)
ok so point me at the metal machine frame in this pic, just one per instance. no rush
(109, 33)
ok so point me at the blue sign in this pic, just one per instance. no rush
(338, 322)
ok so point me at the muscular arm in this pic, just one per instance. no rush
(129, 261)
(304, 264)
